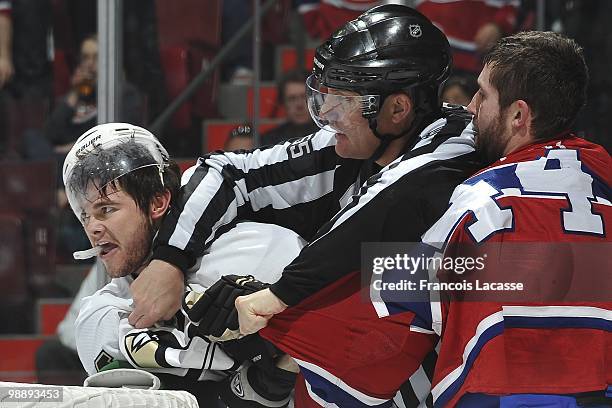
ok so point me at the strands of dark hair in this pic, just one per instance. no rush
(102, 167)
(546, 70)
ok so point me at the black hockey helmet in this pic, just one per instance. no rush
(386, 49)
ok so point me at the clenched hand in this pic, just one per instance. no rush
(157, 293)
(256, 309)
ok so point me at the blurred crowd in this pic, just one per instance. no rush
(48, 60)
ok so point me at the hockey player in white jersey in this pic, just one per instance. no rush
(120, 183)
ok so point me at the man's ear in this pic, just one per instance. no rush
(522, 115)
(401, 107)
(160, 205)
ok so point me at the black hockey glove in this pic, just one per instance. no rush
(253, 349)
(252, 387)
(215, 310)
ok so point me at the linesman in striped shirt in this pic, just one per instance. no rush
(381, 169)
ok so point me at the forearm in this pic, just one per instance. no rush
(398, 208)
(335, 252)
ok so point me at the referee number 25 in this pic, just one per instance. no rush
(300, 147)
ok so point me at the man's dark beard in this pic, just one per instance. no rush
(489, 144)
(139, 254)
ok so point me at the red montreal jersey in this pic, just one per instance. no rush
(354, 353)
(552, 201)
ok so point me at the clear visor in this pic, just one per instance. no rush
(94, 172)
(335, 109)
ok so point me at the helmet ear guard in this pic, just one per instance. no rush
(371, 105)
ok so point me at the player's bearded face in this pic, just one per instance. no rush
(491, 139)
(490, 121)
(122, 231)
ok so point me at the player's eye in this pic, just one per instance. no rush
(84, 218)
(107, 210)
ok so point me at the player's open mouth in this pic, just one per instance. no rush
(107, 248)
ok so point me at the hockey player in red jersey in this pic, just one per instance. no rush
(544, 207)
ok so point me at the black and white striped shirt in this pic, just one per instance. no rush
(305, 186)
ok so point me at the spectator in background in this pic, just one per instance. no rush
(140, 45)
(6, 61)
(6, 33)
(77, 111)
(459, 89)
(74, 113)
(292, 96)
(238, 66)
(25, 70)
(485, 22)
(240, 138)
(323, 17)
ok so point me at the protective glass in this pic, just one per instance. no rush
(336, 112)
(101, 164)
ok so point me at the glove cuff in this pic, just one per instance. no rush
(249, 388)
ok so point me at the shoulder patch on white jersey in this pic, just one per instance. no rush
(102, 360)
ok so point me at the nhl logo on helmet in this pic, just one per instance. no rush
(415, 30)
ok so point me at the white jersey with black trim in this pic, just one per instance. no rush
(103, 333)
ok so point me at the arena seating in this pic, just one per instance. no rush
(17, 357)
(188, 41)
(175, 63)
(287, 59)
(216, 132)
(268, 101)
(13, 277)
(190, 23)
(17, 351)
(50, 313)
(27, 197)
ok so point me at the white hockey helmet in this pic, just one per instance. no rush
(106, 152)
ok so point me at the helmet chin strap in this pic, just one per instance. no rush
(386, 139)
